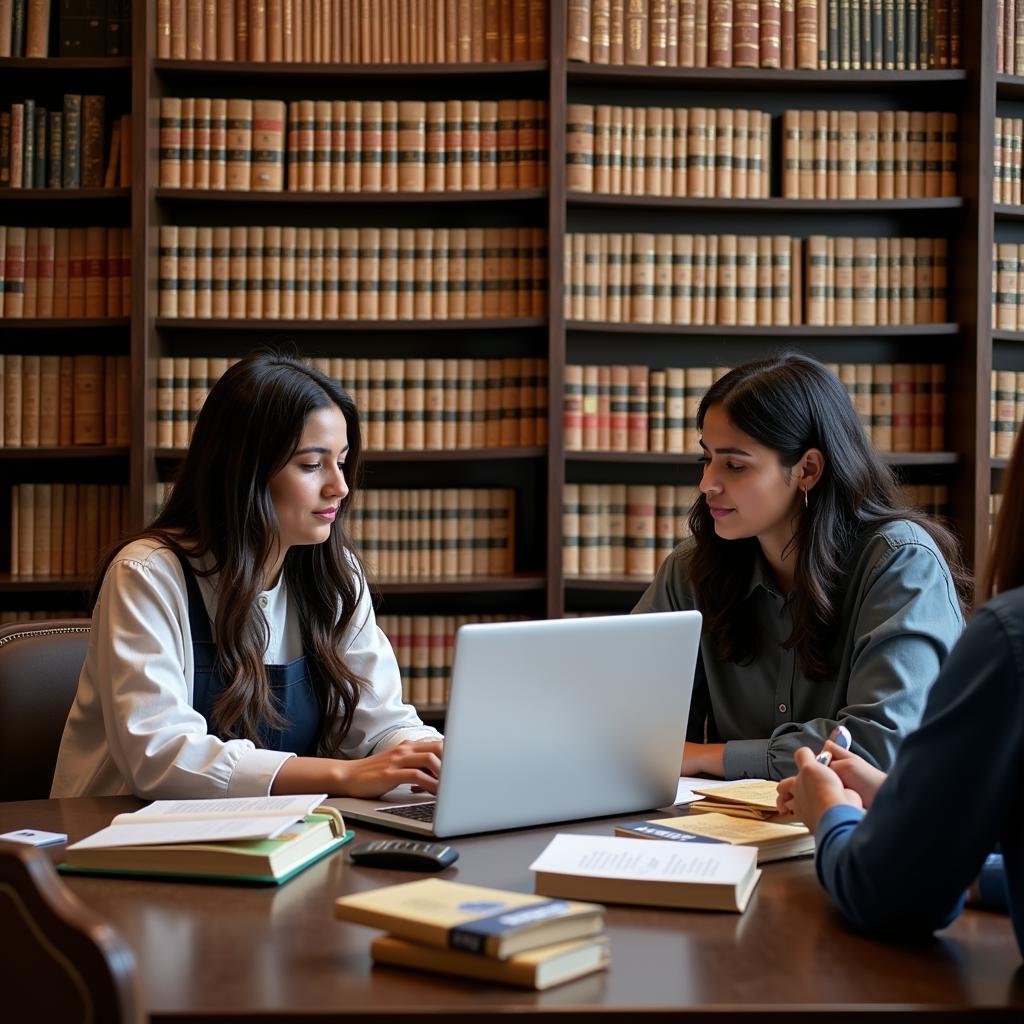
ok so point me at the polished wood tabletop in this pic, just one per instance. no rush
(224, 952)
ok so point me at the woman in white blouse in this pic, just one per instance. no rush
(234, 649)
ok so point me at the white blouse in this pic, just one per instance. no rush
(132, 727)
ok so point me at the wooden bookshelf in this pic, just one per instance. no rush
(966, 344)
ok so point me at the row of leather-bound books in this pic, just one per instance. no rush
(869, 154)
(1009, 144)
(1007, 411)
(366, 273)
(65, 272)
(664, 151)
(766, 280)
(70, 28)
(49, 400)
(1010, 37)
(1007, 265)
(638, 409)
(62, 529)
(629, 529)
(424, 646)
(435, 533)
(857, 35)
(352, 145)
(353, 31)
(66, 148)
(404, 404)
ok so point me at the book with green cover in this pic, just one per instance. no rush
(247, 861)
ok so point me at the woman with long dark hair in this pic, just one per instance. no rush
(957, 787)
(234, 649)
(825, 600)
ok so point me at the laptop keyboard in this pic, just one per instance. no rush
(418, 812)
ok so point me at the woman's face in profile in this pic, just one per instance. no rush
(307, 491)
(748, 491)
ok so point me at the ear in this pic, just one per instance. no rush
(809, 469)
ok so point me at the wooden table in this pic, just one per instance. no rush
(212, 952)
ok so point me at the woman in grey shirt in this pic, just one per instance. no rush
(825, 601)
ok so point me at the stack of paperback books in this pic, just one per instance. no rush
(476, 932)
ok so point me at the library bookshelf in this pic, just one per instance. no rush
(964, 342)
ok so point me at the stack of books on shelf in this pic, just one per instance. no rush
(424, 646)
(46, 401)
(1007, 260)
(404, 404)
(750, 280)
(352, 145)
(71, 28)
(1007, 411)
(1006, 178)
(65, 272)
(66, 148)
(637, 409)
(482, 933)
(869, 154)
(435, 533)
(62, 529)
(347, 32)
(930, 498)
(368, 273)
(620, 529)
(663, 151)
(855, 35)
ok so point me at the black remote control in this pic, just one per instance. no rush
(403, 855)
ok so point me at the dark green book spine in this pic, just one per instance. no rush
(855, 27)
(877, 36)
(28, 147)
(833, 35)
(913, 34)
(55, 164)
(39, 173)
(72, 140)
(889, 35)
(926, 30)
(866, 52)
(901, 34)
(18, 29)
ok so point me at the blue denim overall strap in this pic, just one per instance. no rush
(290, 685)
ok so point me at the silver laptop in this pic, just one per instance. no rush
(555, 720)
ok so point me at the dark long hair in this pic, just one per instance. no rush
(1005, 568)
(247, 430)
(791, 403)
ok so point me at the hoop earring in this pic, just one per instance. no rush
(807, 503)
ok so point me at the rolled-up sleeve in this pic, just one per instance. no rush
(381, 718)
(157, 740)
(904, 628)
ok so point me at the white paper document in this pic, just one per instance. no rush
(654, 860)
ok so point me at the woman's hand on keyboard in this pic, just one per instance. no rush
(412, 761)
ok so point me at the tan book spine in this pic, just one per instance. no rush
(225, 31)
(902, 407)
(201, 116)
(348, 274)
(69, 542)
(579, 146)
(95, 272)
(170, 142)
(882, 406)
(31, 272)
(867, 154)
(844, 281)
(371, 177)
(238, 138)
(765, 293)
(412, 145)
(198, 388)
(817, 280)
(923, 270)
(267, 152)
(49, 399)
(937, 435)
(45, 255)
(638, 416)
(746, 280)
(389, 274)
(886, 154)
(949, 156)
(939, 286)
(369, 273)
(746, 34)
(865, 281)
(204, 272)
(640, 516)
(257, 30)
(922, 434)
(901, 154)
(303, 272)
(453, 157)
(88, 400)
(14, 272)
(237, 273)
(933, 154)
(917, 154)
(433, 403)
(194, 29)
(30, 401)
(220, 249)
(12, 399)
(65, 400)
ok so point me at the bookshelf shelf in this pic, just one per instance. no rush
(63, 195)
(343, 326)
(761, 79)
(1006, 211)
(353, 72)
(56, 584)
(466, 585)
(519, 195)
(432, 712)
(76, 452)
(620, 584)
(104, 323)
(774, 204)
(689, 458)
(65, 64)
(795, 332)
(1009, 87)
(998, 465)
(427, 455)
(1014, 337)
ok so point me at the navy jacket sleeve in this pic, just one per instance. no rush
(903, 869)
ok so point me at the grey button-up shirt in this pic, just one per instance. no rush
(898, 620)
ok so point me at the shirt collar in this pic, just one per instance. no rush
(761, 576)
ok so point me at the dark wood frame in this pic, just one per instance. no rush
(967, 343)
